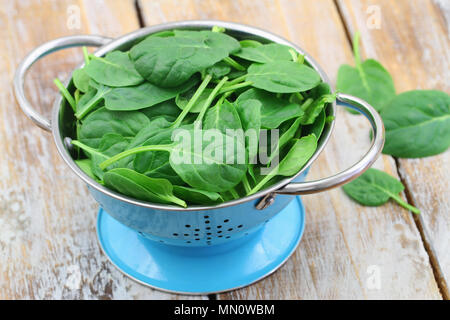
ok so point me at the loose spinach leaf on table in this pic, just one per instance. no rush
(374, 188)
(369, 80)
(139, 186)
(171, 61)
(114, 70)
(282, 76)
(417, 124)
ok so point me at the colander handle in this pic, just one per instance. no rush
(358, 168)
(38, 53)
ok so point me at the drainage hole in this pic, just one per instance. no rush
(231, 229)
(240, 226)
(175, 234)
(219, 231)
(228, 237)
(226, 220)
(188, 226)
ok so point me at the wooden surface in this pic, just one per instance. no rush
(48, 246)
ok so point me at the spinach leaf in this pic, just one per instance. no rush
(218, 70)
(139, 186)
(417, 124)
(249, 43)
(102, 121)
(197, 196)
(250, 115)
(222, 117)
(369, 80)
(374, 188)
(81, 80)
(317, 126)
(171, 61)
(206, 169)
(274, 110)
(142, 96)
(115, 70)
(183, 99)
(298, 155)
(282, 76)
(86, 166)
(167, 109)
(265, 53)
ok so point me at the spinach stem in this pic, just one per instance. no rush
(211, 97)
(299, 96)
(77, 96)
(234, 193)
(86, 55)
(301, 59)
(87, 148)
(236, 86)
(234, 64)
(266, 179)
(191, 102)
(405, 204)
(293, 55)
(223, 97)
(306, 104)
(66, 94)
(246, 184)
(356, 49)
(237, 80)
(126, 153)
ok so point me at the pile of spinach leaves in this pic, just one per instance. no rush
(128, 104)
(417, 124)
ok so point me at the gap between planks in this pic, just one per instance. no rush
(434, 262)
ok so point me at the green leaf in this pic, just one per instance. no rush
(90, 101)
(283, 76)
(81, 80)
(274, 111)
(142, 96)
(368, 80)
(167, 109)
(183, 99)
(222, 117)
(250, 115)
(297, 156)
(139, 186)
(374, 188)
(102, 121)
(417, 124)
(197, 196)
(115, 70)
(265, 53)
(317, 126)
(86, 166)
(218, 70)
(171, 61)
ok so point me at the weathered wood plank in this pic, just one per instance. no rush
(48, 244)
(413, 43)
(343, 242)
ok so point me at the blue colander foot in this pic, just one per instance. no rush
(205, 270)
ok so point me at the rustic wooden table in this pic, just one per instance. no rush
(48, 245)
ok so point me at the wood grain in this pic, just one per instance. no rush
(48, 243)
(343, 240)
(413, 43)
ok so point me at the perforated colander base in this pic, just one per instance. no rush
(201, 270)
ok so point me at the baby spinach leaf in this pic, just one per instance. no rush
(197, 196)
(139, 186)
(417, 124)
(183, 99)
(81, 80)
(274, 110)
(317, 126)
(265, 53)
(374, 188)
(142, 96)
(222, 117)
(171, 61)
(248, 43)
(208, 168)
(316, 107)
(298, 155)
(115, 70)
(102, 121)
(250, 115)
(369, 80)
(282, 76)
(218, 70)
(86, 166)
(167, 109)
